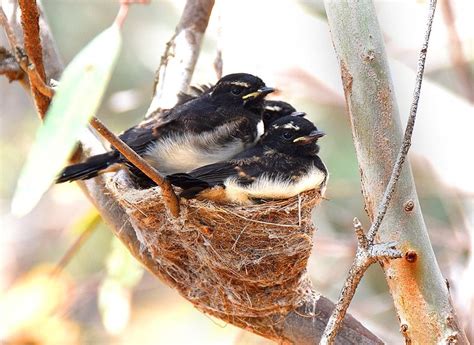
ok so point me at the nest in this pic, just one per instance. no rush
(229, 261)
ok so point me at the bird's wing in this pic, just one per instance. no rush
(244, 169)
(138, 138)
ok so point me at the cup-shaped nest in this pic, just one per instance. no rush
(230, 261)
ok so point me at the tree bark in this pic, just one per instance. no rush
(418, 288)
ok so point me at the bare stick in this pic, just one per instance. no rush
(8, 30)
(366, 255)
(177, 64)
(123, 10)
(78, 243)
(31, 33)
(171, 200)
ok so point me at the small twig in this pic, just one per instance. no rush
(78, 243)
(169, 196)
(31, 33)
(368, 252)
(366, 255)
(38, 82)
(406, 143)
(461, 65)
(123, 10)
(8, 30)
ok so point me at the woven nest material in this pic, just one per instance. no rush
(228, 260)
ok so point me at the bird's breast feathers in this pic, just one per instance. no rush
(184, 152)
(265, 187)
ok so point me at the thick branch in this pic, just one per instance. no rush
(182, 51)
(377, 138)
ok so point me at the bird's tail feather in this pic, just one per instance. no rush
(90, 168)
(191, 185)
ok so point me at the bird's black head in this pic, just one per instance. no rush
(293, 135)
(273, 110)
(241, 89)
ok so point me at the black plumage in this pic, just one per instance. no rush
(273, 110)
(284, 163)
(215, 125)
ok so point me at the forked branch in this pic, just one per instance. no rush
(374, 118)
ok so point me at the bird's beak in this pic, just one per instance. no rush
(312, 137)
(298, 113)
(260, 93)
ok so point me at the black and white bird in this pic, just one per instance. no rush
(273, 110)
(283, 164)
(216, 125)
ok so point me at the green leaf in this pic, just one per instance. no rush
(77, 98)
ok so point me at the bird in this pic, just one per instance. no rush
(283, 164)
(219, 123)
(274, 109)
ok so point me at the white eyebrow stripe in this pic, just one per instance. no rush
(240, 83)
(273, 108)
(291, 125)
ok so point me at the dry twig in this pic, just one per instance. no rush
(32, 40)
(171, 200)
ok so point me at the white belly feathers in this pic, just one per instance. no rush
(266, 188)
(188, 151)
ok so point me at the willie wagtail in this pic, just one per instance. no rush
(284, 163)
(220, 123)
(273, 110)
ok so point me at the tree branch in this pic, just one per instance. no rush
(32, 41)
(366, 255)
(377, 137)
(179, 59)
(171, 200)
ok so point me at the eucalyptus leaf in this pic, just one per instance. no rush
(77, 98)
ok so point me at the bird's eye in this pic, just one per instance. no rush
(287, 135)
(236, 90)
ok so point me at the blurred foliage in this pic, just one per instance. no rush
(75, 102)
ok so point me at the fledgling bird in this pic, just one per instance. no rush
(273, 110)
(220, 123)
(283, 164)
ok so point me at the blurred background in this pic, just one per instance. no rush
(102, 296)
